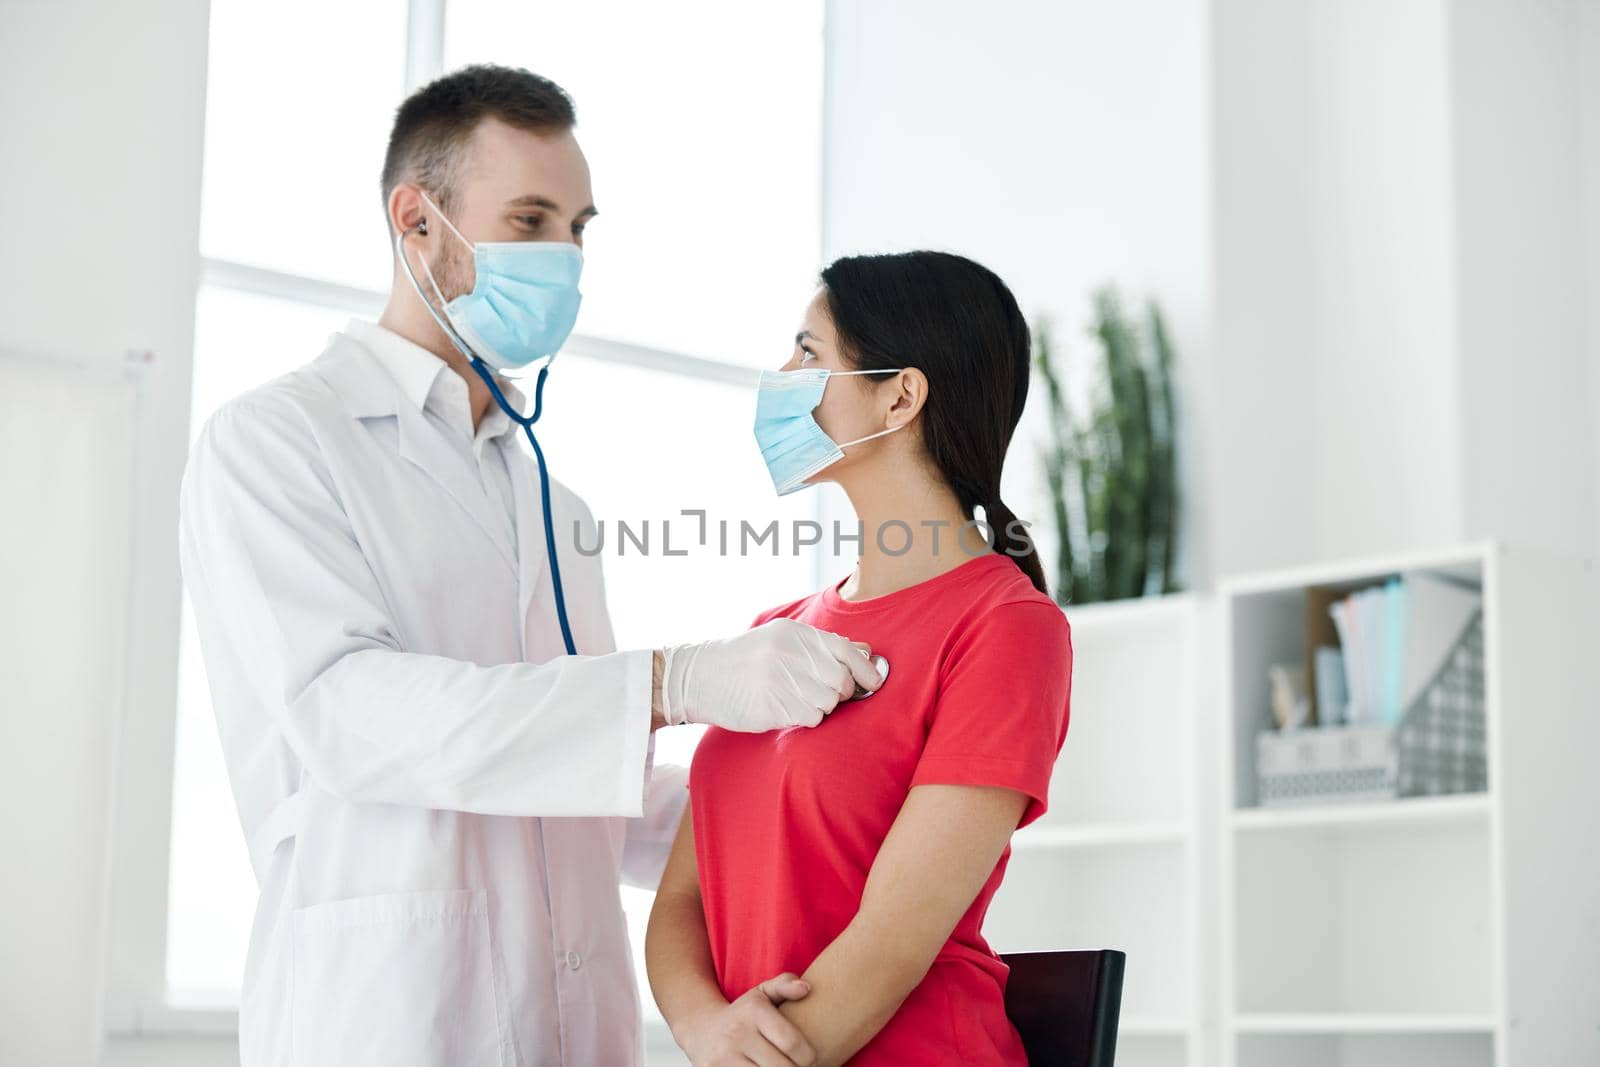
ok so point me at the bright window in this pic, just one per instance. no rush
(701, 124)
(299, 99)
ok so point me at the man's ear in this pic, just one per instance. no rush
(408, 209)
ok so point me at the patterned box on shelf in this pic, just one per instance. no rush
(1439, 748)
(1443, 739)
(1325, 764)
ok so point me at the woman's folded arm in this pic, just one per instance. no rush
(683, 979)
(941, 850)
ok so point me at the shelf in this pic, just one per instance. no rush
(1136, 899)
(1383, 1048)
(1135, 703)
(1153, 1050)
(1152, 1026)
(1173, 607)
(1395, 933)
(1465, 561)
(1364, 1023)
(1463, 808)
(1350, 922)
(1268, 620)
(1098, 835)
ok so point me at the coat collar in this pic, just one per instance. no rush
(353, 372)
(378, 374)
(374, 370)
(413, 368)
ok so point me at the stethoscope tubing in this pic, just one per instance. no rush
(526, 422)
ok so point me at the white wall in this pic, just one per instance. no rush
(1383, 405)
(1589, 124)
(103, 106)
(1337, 387)
(1527, 411)
(1061, 145)
(1365, 218)
(1264, 504)
(1400, 326)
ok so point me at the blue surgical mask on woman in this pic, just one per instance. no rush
(523, 303)
(793, 445)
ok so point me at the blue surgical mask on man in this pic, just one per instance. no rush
(523, 303)
(793, 445)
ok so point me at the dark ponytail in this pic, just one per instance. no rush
(1009, 534)
(955, 321)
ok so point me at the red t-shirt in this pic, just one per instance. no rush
(787, 823)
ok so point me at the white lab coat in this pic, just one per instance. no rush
(439, 803)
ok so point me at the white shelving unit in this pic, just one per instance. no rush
(1121, 860)
(1460, 930)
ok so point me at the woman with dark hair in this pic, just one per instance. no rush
(855, 862)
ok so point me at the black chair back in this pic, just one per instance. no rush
(1065, 1005)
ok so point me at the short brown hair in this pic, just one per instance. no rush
(435, 123)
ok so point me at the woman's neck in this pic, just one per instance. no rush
(913, 529)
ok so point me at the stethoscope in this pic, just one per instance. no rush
(862, 693)
(524, 421)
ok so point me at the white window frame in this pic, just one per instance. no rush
(137, 1002)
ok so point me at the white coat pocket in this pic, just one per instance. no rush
(401, 980)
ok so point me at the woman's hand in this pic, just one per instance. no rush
(749, 1029)
(677, 954)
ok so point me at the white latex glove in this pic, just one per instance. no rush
(782, 673)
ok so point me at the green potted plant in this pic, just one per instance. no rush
(1113, 475)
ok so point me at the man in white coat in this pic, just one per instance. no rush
(439, 802)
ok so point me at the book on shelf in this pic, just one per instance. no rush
(1371, 651)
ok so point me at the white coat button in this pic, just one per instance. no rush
(574, 960)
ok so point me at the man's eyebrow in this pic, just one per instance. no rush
(548, 205)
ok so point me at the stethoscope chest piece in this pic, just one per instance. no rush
(882, 665)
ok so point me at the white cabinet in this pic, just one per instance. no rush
(1461, 930)
(1120, 859)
